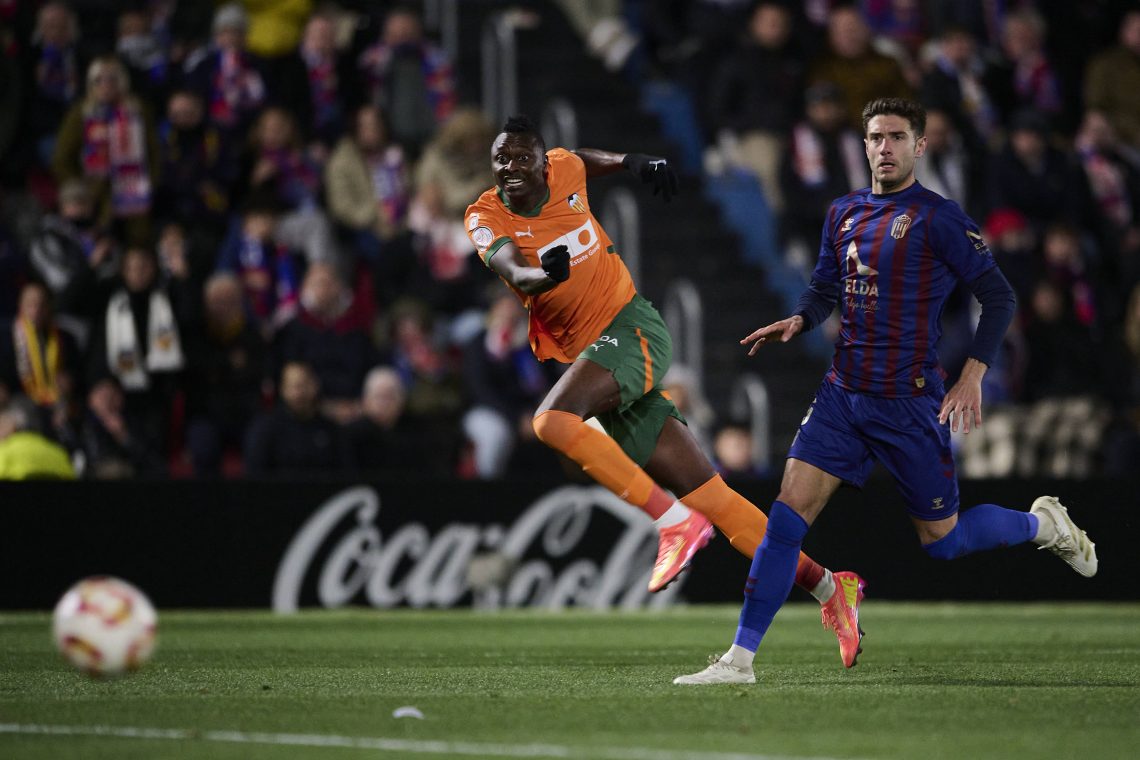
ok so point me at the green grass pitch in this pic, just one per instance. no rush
(934, 681)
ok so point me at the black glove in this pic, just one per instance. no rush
(653, 170)
(556, 263)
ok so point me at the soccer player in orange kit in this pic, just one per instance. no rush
(536, 231)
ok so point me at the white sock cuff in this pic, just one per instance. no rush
(825, 588)
(1046, 528)
(738, 657)
(675, 514)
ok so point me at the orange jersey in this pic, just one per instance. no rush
(571, 316)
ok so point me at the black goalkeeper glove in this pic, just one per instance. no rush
(653, 170)
(556, 263)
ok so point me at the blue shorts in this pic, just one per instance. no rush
(844, 433)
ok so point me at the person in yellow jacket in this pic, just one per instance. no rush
(275, 25)
(24, 453)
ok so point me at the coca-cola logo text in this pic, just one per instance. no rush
(498, 566)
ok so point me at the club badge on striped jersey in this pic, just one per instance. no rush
(899, 226)
(576, 203)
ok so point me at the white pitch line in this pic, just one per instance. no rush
(382, 744)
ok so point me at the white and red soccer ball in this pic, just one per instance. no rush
(104, 626)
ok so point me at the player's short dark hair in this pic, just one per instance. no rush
(908, 109)
(521, 124)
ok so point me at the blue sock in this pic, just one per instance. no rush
(772, 573)
(986, 526)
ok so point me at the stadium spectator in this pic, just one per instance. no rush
(896, 25)
(451, 174)
(384, 439)
(409, 78)
(1067, 266)
(268, 270)
(1122, 440)
(330, 335)
(1062, 352)
(824, 160)
(54, 67)
(227, 77)
(109, 138)
(1112, 169)
(139, 343)
(275, 25)
(732, 452)
(13, 159)
(74, 256)
(195, 182)
(1014, 245)
(145, 55)
(116, 443)
(181, 28)
(226, 365)
(25, 453)
(314, 82)
(296, 439)
(686, 40)
(278, 165)
(981, 18)
(957, 84)
(1033, 81)
(185, 258)
(949, 167)
(681, 383)
(455, 162)
(39, 361)
(504, 383)
(756, 93)
(1036, 178)
(429, 373)
(368, 191)
(1113, 77)
(861, 72)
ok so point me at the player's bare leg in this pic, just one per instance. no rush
(586, 390)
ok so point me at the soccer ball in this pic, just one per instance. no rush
(104, 626)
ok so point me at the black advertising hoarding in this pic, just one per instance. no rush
(442, 544)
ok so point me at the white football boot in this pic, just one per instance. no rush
(1070, 543)
(720, 670)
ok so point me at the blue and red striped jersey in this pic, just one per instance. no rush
(891, 261)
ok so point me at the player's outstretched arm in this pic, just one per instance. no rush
(510, 264)
(784, 330)
(963, 402)
(652, 170)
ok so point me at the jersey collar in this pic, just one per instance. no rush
(528, 214)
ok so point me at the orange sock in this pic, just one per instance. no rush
(744, 524)
(602, 459)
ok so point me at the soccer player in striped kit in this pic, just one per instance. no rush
(890, 256)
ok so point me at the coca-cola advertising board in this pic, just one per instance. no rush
(430, 543)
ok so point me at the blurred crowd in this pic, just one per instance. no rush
(1033, 128)
(231, 235)
(231, 242)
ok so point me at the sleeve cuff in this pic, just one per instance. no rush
(494, 248)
